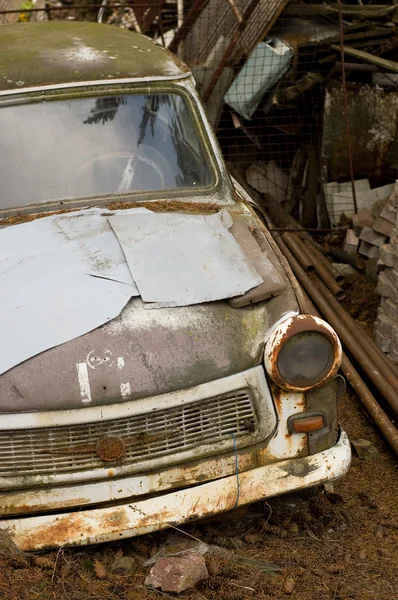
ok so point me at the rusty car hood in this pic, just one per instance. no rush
(144, 353)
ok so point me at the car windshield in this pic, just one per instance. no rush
(98, 146)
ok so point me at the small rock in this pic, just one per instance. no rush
(379, 532)
(289, 586)
(177, 573)
(362, 555)
(44, 562)
(334, 569)
(365, 450)
(293, 528)
(100, 570)
(344, 268)
(253, 538)
(125, 566)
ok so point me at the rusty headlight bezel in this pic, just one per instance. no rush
(285, 331)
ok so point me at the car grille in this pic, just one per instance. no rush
(72, 448)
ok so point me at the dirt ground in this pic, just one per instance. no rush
(338, 544)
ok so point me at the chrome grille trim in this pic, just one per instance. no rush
(191, 424)
(38, 451)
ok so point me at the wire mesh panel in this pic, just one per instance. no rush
(270, 75)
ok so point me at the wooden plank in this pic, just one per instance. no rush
(389, 65)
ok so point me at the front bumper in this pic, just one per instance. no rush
(152, 514)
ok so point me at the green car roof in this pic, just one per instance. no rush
(38, 54)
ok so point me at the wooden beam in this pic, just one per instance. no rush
(389, 65)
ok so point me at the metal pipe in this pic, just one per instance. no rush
(319, 257)
(370, 403)
(363, 340)
(351, 374)
(299, 250)
(301, 254)
(358, 350)
(373, 350)
(360, 388)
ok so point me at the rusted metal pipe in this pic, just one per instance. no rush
(373, 350)
(359, 387)
(358, 350)
(313, 250)
(370, 403)
(304, 256)
(295, 245)
(364, 341)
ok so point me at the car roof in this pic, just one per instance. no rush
(53, 53)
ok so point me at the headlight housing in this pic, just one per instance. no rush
(302, 352)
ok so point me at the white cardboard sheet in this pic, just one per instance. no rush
(178, 260)
(48, 294)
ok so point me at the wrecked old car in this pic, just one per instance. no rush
(156, 366)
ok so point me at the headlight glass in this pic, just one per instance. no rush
(305, 359)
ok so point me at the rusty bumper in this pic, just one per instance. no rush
(137, 518)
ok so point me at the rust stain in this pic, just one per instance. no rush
(156, 206)
(302, 324)
(59, 533)
(276, 392)
(110, 448)
(116, 520)
(107, 447)
(29, 508)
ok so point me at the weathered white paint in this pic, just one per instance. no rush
(120, 362)
(84, 382)
(253, 378)
(137, 518)
(125, 390)
(284, 445)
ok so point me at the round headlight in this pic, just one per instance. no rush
(302, 352)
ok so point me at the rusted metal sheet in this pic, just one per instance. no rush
(137, 518)
(373, 121)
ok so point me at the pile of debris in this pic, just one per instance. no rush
(277, 104)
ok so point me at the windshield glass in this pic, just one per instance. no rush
(98, 146)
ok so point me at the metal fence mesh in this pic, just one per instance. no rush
(269, 73)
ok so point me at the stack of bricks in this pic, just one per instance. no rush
(374, 226)
(386, 327)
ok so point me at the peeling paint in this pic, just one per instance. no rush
(84, 383)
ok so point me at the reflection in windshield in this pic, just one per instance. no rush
(98, 146)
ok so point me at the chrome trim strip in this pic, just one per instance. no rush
(253, 378)
(77, 84)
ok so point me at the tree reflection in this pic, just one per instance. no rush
(164, 119)
(104, 110)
